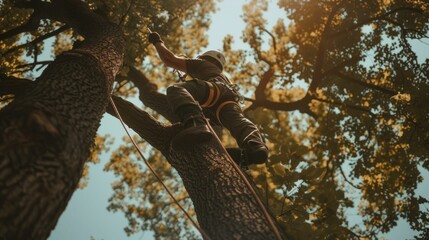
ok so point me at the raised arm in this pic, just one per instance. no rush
(169, 58)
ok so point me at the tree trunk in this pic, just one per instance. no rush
(225, 207)
(46, 134)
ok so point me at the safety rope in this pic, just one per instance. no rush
(248, 185)
(203, 233)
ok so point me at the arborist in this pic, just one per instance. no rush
(212, 91)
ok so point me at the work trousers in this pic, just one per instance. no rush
(221, 102)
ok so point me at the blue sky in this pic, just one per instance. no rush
(86, 215)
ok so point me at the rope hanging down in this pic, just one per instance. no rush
(203, 233)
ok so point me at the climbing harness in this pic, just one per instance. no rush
(180, 75)
(152, 170)
(215, 93)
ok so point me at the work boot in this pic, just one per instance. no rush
(195, 131)
(257, 153)
(239, 155)
(257, 156)
(246, 157)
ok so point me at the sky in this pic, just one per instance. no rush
(86, 216)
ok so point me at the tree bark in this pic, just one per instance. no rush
(225, 206)
(46, 133)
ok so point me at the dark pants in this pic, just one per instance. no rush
(224, 109)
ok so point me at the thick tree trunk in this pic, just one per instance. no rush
(46, 133)
(225, 207)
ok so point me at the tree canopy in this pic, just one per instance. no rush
(336, 88)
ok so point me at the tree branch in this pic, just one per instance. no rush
(31, 25)
(14, 85)
(320, 56)
(73, 12)
(359, 108)
(150, 96)
(272, 37)
(260, 89)
(38, 40)
(121, 22)
(33, 65)
(379, 17)
(347, 180)
(300, 105)
(365, 84)
(155, 133)
(340, 66)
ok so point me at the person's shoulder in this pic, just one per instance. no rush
(193, 61)
(196, 63)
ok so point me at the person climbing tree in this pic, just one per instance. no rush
(209, 90)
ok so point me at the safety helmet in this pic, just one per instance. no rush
(216, 55)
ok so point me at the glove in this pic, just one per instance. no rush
(155, 38)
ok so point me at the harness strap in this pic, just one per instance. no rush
(211, 95)
(214, 95)
(217, 93)
(220, 108)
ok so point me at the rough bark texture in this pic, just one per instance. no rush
(46, 133)
(225, 207)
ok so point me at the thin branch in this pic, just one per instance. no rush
(320, 56)
(43, 63)
(300, 105)
(126, 13)
(6, 98)
(31, 25)
(379, 17)
(272, 37)
(359, 108)
(38, 40)
(36, 55)
(295, 208)
(342, 65)
(365, 84)
(14, 85)
(347, 180)
(260, 89)
(182, 199)
(423, 42)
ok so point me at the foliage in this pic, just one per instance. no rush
(367, 133)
